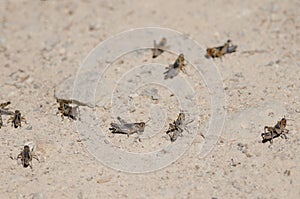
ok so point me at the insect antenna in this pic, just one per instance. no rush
(147, 122)
(287, 118)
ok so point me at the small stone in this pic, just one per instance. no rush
(152, 93)
(134, 95)
(62, 51)
(35, 196)
(94, 27)
(103, 180)
(29, 127)
(80, 195)
(242, 147)
(270, 63)
(287, 173)
(239, 75)
(106, 141)
(248, 155)
(89, 178)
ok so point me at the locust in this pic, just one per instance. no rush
(26, 156)
(272, 132)
(177, 127)
(220, 51)
(175, 68)
(69, 108)
(17, 119)
(127, 128)
(159, 48)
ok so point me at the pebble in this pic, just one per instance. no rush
(35, 196)
(29, 127)
(80, 195)
(152, 93)
(242, 147)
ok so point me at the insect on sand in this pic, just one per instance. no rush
(159, 48)
(220, 51)
(17, 119)
(177, 127)
(127, 128)
(175, 68)
(272, 132)
(26, 156)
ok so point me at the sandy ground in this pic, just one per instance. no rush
(42, 43)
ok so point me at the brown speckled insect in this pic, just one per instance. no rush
(26, 156)
(3, 105)
(68, 110)
(4, 111)
(221, 50)
(174, 69)
(272, 132)
(177, 127)
(174, 132)
(127, 128)
(16, 119)
(159, 48)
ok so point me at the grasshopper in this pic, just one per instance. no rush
(272, 132)
(26, 156)
(16, 119)
(177, 127)
(127, 128)
(221, 50)
(159, 48)
(174, 69)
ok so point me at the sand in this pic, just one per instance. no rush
(43, 43)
